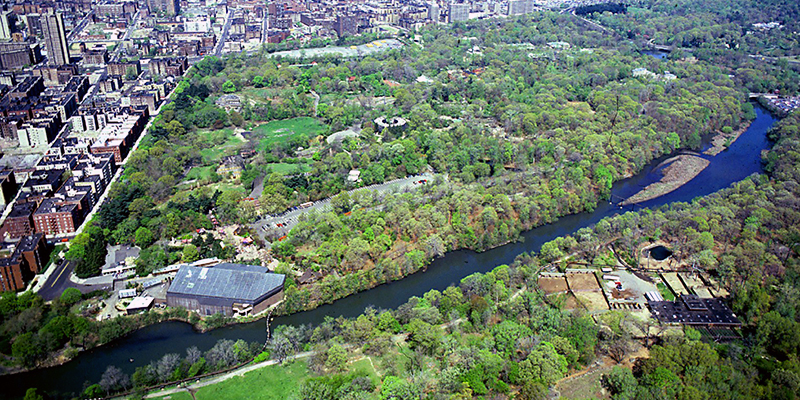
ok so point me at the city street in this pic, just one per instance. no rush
(59, 280)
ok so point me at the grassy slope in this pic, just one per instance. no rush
(275, 131)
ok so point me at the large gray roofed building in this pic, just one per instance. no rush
(227, 288)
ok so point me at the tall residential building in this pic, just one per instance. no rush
(34, 24)
(520, 7)
(55, 38)
(169, 7)
(5, 24)
(433, 12)
(458, 12)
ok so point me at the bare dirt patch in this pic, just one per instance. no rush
(583, 282)
(551, 285)
(677, 171)
(593, 301)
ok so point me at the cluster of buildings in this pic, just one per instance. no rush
(645, 73)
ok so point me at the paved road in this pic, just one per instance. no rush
(265, 28)
(59, 280)
(78, 28)
(224, 35)
(288, 218)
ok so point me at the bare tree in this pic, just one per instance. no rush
(193, 355)
(167, 365)
(281, 347)
(222, 354)
(618, 348)
(114, 379)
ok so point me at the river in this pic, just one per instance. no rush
(659, 54)
(740, 160)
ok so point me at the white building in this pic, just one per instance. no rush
(433, 12)
(458, 12)
(520, 7)
(197, 24)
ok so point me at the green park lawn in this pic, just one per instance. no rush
(271, 382)
(200, 172)
(665, 292)
(275, 131)
(216, 143)
(288, 169)
(268, 383)
(176, 396)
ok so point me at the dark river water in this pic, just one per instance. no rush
(740, 160)
(659, 54)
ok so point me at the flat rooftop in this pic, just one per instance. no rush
(227, 280)
(692, 310)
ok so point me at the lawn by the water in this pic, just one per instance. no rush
(268, 383)
(273, 382)
(276, 131)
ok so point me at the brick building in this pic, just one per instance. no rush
(19, 261)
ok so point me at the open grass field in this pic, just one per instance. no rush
(365, 366)
(665, 292)
(268, 383)
(273, 382)
(200, 172)
(217, 143)
(276, 131)
(212, 154)
(176, 396)
(288, 169)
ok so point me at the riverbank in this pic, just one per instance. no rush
(676, 172)
(721, 141)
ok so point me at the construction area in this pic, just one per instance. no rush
(675, 298)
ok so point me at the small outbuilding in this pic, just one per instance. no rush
(139, 304)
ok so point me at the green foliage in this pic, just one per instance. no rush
(88, 250)
(33, 394)
(228, 87)
(394, 388)
(71, 296)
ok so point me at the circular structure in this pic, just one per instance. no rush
(660, 253)
(395, 124)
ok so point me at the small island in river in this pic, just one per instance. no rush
(676, 172)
